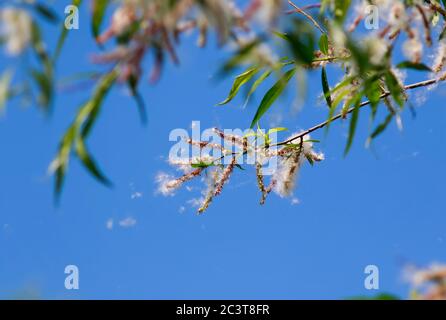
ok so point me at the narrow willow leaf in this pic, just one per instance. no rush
(239, 57)
(280, 35)
(44, 83)
(326, 87)
(341, 9)
(256, 84)
(46, 12)
(44, 78)
(99, 8)
(88, 162)
(91, 109)
(5, 82)
(442, 34)
(353, 125)
(395, 88)
(413, 65)
(272, 95)
(133, 85)
(79, 130)
(239, 81)
(323, 44)
(380, 129)
(61, 162)
(333, 108)
(373, 93)
(274, 130)
(301, 41)
(63, 34)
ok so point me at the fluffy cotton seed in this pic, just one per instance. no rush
(440, 58)
(289, 165)
(413, 49)
(378, 49)
(16, 29)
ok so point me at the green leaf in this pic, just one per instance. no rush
(326, 87)
(272, 95)
(78, 131)
(239, 81)
(353, 125)
(46, 12)
(5, 82)
(239, 57)
(301, 42)
(44, 84)
(274, 130)
(99, 8)
(395, 88)
(323, 44)
(133, 85)
(280, 35)
(202, 165)
(256, 84)
(44, 78)
(341, 9)
(373, 92)
(91, 109)
(414, 66)
(88, 162)
(380, 129)
(60, 164)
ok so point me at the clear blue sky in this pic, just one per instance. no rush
(382, 206)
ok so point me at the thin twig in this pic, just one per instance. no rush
(363, 104)
(309, 17)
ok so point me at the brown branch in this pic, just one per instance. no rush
(309, 17)
(363, 104)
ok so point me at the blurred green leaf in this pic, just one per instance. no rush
(88, 162)
(341, 9)
(301, 40)
(326, 87)
(60, 163)
(44, 78)
(413, 65)
(353, 124)
(133, 85)
(239, 57)
(274, 130)
(44, 83)
(91, 109)
(323, 44)
(99, 8)
(373, 92)
(272, 95)
(380, 128)
(5, 82)
(79, 130)
(256, 84)
(239, 81)
(46, 12)
(395, 88)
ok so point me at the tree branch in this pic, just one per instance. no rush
(363, 104)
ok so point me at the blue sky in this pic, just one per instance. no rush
(381, 206)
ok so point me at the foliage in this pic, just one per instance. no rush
(289, 41)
